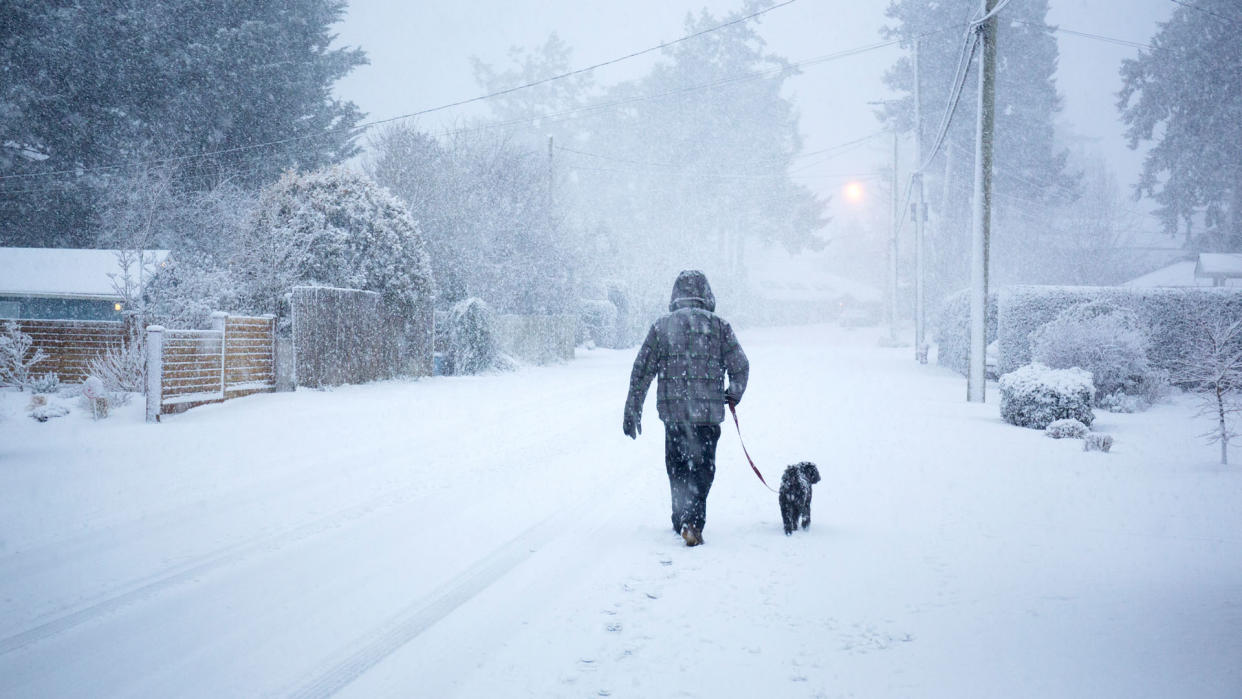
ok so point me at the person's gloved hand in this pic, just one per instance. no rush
(731, 399)
(632, 424)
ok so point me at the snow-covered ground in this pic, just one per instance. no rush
(498, 536)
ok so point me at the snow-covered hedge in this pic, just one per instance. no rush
(1036, 396)
(953, 329)
(472, 346)
(1105, 339)
(1169, 315)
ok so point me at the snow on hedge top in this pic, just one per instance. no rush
(63, 272)
(1062, 381)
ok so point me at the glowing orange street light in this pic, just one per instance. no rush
(854, 191)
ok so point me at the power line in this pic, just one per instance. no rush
(546, 118)
(1204, 10)
(774, 161)
(367, 125)
(1088, 35)
(978, 21)
(970, 44)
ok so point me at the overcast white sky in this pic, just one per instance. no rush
(420, 58)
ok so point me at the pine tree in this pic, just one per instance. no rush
(1185, 95)
(91, 85)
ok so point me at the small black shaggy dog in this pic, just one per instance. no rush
(796, 495)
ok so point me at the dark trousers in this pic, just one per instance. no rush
(690, 459)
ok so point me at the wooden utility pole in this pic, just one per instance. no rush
(919, 215)
(892, 250)
(976, 381)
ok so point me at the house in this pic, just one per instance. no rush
(1221, 268)
(1207, 269)
(71, 284)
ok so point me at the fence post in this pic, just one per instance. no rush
(219, 321)
(155, 371)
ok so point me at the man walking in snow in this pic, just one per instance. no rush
(690, 349)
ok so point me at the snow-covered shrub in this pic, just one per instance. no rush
(597, 322)
(952, 329)
(1036, 396)
(17, 356)
(1066, 429)
(1097, 441)
(122, 369)
(48, 383)
(472, 346)
(1106, 340)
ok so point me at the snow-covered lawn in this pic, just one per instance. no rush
(498, 536)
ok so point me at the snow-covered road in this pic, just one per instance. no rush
(498, 536)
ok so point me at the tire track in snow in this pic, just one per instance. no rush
(424, 613)
(169, 578)
(185, 573)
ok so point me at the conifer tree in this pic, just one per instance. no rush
(1185, 96)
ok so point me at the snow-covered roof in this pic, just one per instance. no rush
(1218, 265)
(64, 272)
(778, 276)
(1178, 274)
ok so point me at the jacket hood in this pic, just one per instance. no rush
(691, 290)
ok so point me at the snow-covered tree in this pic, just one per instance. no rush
(1030, 168)
(91, 84)
(483, 204)
(687, 165)
(1214, 373)
(1185, 96)
(331, 227)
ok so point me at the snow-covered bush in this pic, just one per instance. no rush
(472, 346)
(952, 329)
(627, 331)
(48, 383)
(17, 356)
(122, 369)
(1066, 429)
(1105, 339)
(1036, 396)
(1097, 441)
(597, 322)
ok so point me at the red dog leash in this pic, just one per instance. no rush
(743, 443)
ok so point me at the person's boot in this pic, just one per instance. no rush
(692, 535)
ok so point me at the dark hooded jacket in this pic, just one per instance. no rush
(690, 349)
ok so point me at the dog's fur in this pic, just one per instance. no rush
(795, 495)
